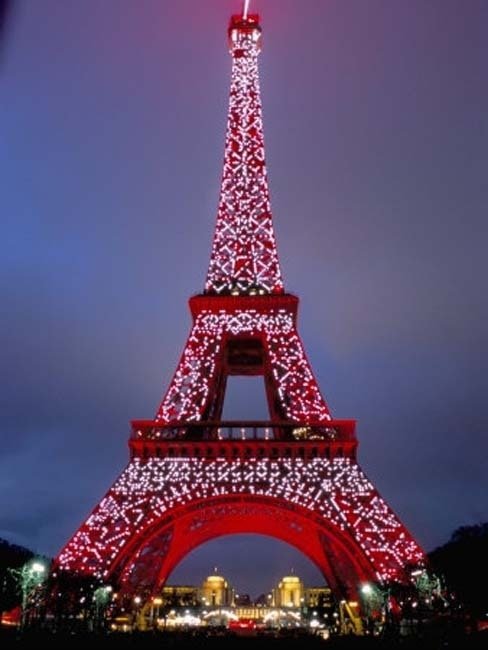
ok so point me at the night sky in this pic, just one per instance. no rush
(112, 130)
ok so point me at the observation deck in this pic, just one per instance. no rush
(243, 439)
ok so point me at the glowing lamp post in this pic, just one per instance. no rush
(101, 598)
(31, 576)
(375, 601)
(137, 612)
(367, 593)
(367, 590)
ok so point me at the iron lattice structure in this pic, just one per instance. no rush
(192, 477)
(245, 334)
(244, 256)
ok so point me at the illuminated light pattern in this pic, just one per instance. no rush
(140, 521)
(193, 384)
(244, 258)
(148, 492)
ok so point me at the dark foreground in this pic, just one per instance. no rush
(10, 638)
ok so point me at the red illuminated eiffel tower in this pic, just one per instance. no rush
(193, 477)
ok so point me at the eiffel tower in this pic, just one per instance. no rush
(191, 476)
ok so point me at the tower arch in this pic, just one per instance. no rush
(158, 549)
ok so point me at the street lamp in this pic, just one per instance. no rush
(31, 576)
(367, 589)
(101, 597)
(136, 612)
(376, 605)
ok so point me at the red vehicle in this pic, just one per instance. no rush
(243, 626)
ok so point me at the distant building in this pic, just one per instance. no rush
(242, 600)
(216, 592)
(289, 592)
(318, 597)
(179, 596)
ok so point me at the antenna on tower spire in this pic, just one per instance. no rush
(245, 9)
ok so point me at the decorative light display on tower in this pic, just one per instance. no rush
(297, 478)
(336, 490)
(293, 381)
(244, 258)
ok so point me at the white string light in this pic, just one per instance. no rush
(149, 491)
(191, 389)
(244, 256)
(244, 260)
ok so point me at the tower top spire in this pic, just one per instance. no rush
(244, 258)
(245, 9)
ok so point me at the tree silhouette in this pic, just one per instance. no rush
(463, 563)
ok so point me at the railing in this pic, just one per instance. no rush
(333, 430)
